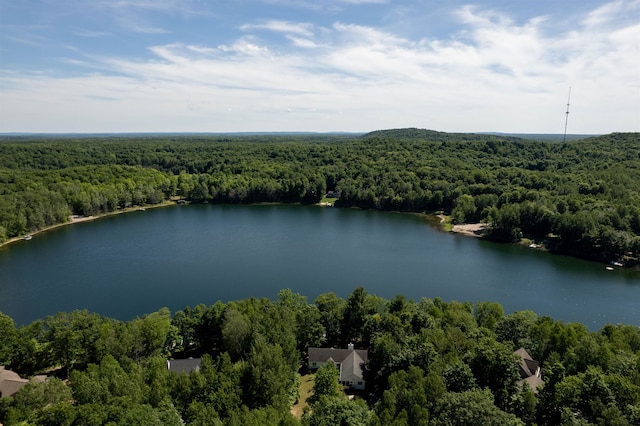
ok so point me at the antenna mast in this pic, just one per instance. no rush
(566, 120)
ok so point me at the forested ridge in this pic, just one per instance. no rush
(580, 197)
(430, 362)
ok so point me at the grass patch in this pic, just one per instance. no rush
(445, 222)
(327, 200)
(306, 390)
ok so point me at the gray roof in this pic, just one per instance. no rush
(533, 382)
(11, 382)
(350, 361)
(183, 365)
(528, 366)
(352, 367)
(9, 387)
(529, 370)
(337, 355)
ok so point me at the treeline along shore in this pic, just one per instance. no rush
(249, 362)
(580, 198)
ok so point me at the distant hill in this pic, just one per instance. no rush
(406, 133)
(413, 133)
(432, 135)
(551, 137)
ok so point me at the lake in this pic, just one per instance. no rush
(127, 265)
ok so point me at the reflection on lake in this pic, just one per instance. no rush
(128, 265)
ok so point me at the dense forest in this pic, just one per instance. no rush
(580, 197)
(429, 362)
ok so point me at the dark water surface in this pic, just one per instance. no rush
(128, 265)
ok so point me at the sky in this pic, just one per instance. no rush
(79, 66)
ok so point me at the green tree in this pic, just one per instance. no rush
(505, 223)
(326, 382)
(354, 317)
(524, 404)
(268, 379)
(516, 328)
(494, 366)
(29, 402)
(464, 209)
(104, 383)
(589, 395)
(474, 407)
(337, 410)
(236, 334)
(405, 402)
(8, 335)
(221, 384)
(458, 377)
(487, 314)
(149, 334)
(201, 414)
(31, 352)
(73, 337)
(309, 329)
(331, 309)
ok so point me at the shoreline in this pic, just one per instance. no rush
(470, 229)
(73, 219)
(436, 219)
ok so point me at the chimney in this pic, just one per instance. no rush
(350, 346)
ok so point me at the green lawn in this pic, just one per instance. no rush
(306, 390)
(327, 200)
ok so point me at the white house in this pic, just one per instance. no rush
(349, 361)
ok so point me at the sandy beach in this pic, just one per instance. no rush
(470, 229)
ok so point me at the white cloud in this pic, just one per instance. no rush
(303, 42)
(493, 75)
(302, 29)
(245, 46)
(610, 14)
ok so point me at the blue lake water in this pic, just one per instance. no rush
(128, 265)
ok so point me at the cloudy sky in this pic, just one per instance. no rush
(323, 65)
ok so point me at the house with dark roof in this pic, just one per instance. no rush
(349, 361)
(11, 382)
(183, 365)
(530, 371)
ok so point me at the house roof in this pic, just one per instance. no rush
(7, 374)
(336, 355)
(534, 382)
(528, 366)
(183, 365)
(529, 370)
(11, 382)
(9, 387)
(351, 367)
(350, 361)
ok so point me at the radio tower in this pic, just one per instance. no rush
(566, 120)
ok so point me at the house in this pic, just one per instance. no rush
(530, 371)
(349, 361)
(183, 365)
(11, 382)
